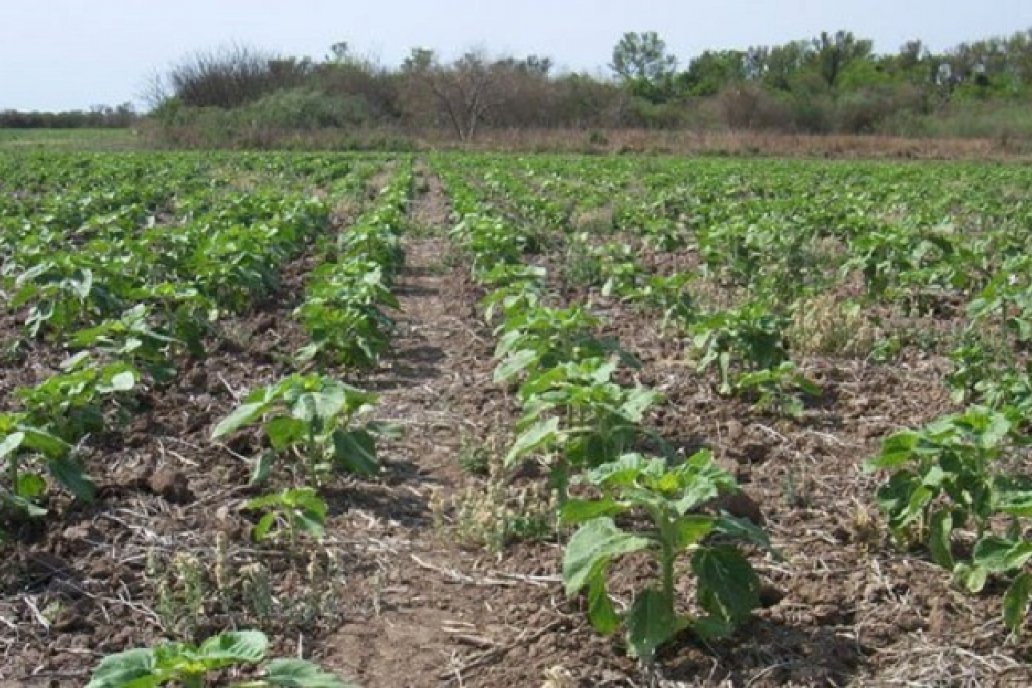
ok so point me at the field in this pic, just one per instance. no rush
(473, 419)
(13, 140)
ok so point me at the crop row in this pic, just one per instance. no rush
(131, 293)
(586, 426)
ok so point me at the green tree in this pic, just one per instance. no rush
(833, 53)
(642, 62)
(713, 70)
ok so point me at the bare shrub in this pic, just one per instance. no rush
(231, 76)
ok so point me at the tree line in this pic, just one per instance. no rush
(97, 117)
(831, 83)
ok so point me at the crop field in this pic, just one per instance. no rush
(471, 419)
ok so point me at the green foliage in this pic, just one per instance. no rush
(948, 476)
(196, 667)
(299, 510)
(673, 499)
(310, 417)
(747, 338)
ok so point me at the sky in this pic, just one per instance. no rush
(65, 54)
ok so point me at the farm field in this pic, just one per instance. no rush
(471, 419)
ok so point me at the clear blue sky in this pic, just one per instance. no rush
(59, 54)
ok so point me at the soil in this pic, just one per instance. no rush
(401, 593)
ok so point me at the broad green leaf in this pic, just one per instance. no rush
(234, 647)
(581, 510)
(624, 471)
(355, 452)
(514, 364)
(601, 613)
(638, 401)
(595, 541)
(728, 587)
(45, 443)
(30, 486)
(972, 577)
(691, 529)
(1011, 494)
(69, 474)
(538, 436)
(1000, 555)
(1015, 602)
(123, 381)
(245, 414)
(262, 468)
(651, 622)
(895, 451)
(129, 669)
(297, 673)
(264, 526)
(742, 529)
(284, 432)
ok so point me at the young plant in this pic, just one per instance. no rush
(28, 452)
(673, 501)
(297, 510)
(538, 338)
(198, 666)
(747, 338)
(779, 390)
(578, 410)
(311, 417)
(131, 338)
(70, 404)
(944, 478)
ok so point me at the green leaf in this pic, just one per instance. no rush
(742, 529)
(11, 443)
(123, 381)
(69, 474)
(30, 486)
(45, 443)
(514, 364)
(601, 613)
(264, 526)
(284, 432)
(1000, 555)
(540, 435)
(651, 622)
(355, 452)
(262, 468)
(972, 577)
(625, 471)
(233, 648)
(297, 673)
(594, 544)
(895, 451)
(581, 510)
(1015, 602)
(1011, 494)
(691, 529)
(939, 529)
(728, 587)
(245, 414)
(129, 669)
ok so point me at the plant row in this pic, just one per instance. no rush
(588, 428)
